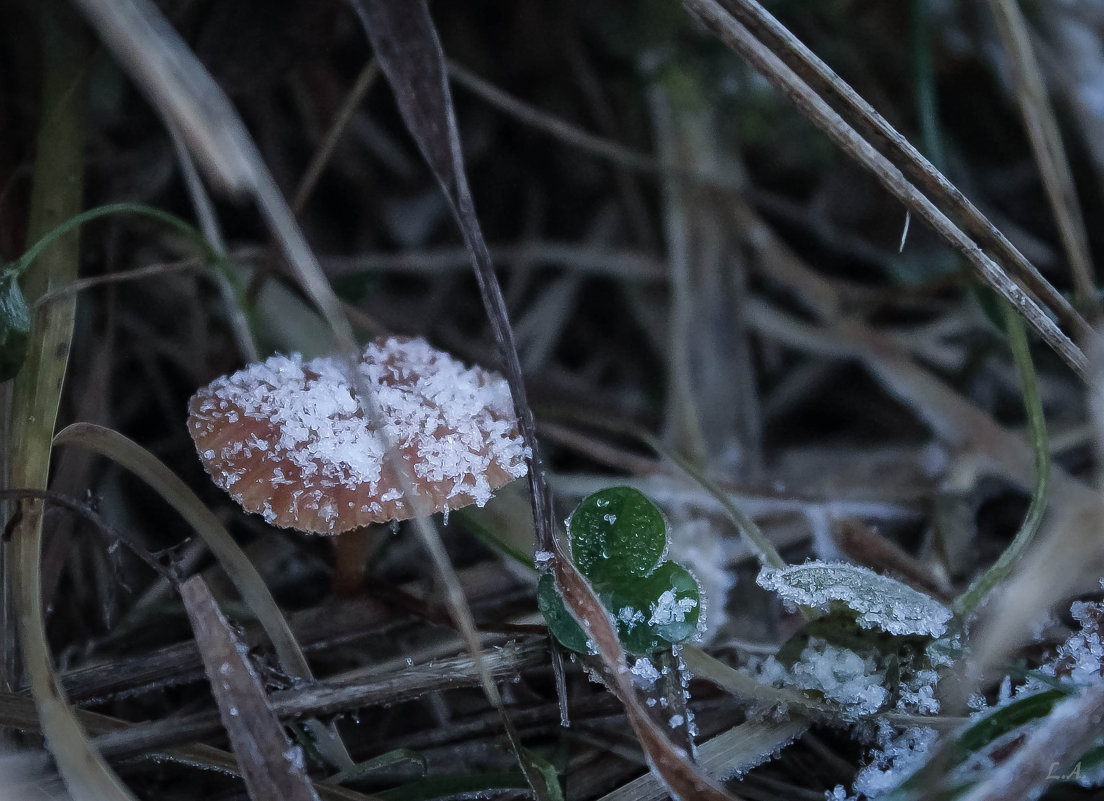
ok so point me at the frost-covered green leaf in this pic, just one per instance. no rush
(667, 604)
(618, 538)
(1004, 720)
(854, 682)
(857, 671)
(877, 601)
(616, 533)
(15, 325)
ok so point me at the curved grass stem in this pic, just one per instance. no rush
(966, 603)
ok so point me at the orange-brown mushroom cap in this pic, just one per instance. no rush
(287, 439)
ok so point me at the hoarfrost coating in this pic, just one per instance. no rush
(288, 440)
(880, 602)
(853, 681)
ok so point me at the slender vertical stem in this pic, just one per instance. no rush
(966, 603)
(923, 79)
(1046, 143)
(56, 195)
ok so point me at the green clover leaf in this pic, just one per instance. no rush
(618, 539)
(617, 533)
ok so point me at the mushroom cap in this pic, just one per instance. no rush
(287, 439)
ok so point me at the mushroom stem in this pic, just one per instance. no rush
(352, 550)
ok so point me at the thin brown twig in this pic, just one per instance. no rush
(137, 274)
(323, 698)
(353, 99)
(86, 511)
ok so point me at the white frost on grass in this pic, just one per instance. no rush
(878, 601)
(1005, 760)
(853, 681)
(896, 757)
(1081, 656)
(916, 695)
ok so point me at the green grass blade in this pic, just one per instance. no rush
(966, 603)
(472, 786)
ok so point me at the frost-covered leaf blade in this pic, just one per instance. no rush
(617, 533)
(1006, 719)
(975, 739)
(877, 601)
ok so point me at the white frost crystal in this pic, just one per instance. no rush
(896, 757)
(853, 681)
(644, 673)
(630, 617)
(670, 609)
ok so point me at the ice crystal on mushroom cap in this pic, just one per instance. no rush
(287, 439)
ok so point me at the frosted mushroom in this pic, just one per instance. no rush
(288, 440)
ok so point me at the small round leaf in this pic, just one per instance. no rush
(617, 533)
(657, 610)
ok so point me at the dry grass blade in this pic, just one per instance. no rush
(307, 183)
(271, 767)
(185, 93)
(684, 419)
(901, 153)
(56, 196)
(19, 712)
(1046, 142)
(740, 39)
(312, 628)
(237, 565)
(177, 85)
(151, 271)
(629, 265)
(730, 752)
(410, 54)
(326, 698)
(1049, 751)
(561, 130)
(208, 223)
